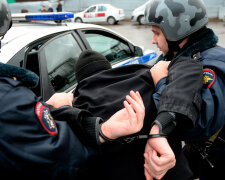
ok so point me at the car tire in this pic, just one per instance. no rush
(78, 20)
(111, 20)
(141, 20)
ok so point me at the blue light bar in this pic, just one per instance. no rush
(49, 16)
(142, 59)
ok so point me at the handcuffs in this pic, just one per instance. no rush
(127, 140)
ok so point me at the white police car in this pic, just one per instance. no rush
(51, 49)
(138, 14)
(100, 13)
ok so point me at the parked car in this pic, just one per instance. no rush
(100, 13)
(51, 49)
(138, 14)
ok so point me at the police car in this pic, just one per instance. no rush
(51, 49)
(100, 13)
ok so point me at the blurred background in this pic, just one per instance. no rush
(215, 8)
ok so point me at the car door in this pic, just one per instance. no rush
(101, 13)
(89, 14)
(57, 58)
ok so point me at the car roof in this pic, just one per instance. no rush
(103, 4)
(41, 28)
(22, 34)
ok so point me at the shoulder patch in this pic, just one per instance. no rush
(46, 118)
(208, 77)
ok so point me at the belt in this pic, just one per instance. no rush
(205, 147)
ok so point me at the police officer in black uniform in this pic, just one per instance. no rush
(33, 145)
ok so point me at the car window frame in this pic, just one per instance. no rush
(82, 33)
(47, 89)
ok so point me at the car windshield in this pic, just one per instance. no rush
(91, 9)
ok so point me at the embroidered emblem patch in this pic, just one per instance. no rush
(208, 77)
(45, 118)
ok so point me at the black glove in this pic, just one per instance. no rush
(166, 122)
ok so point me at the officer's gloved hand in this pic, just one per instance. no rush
(166, 122)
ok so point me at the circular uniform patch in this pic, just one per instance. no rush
(208, 77)
(46, 118)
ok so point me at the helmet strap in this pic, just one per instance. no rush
(173, 47)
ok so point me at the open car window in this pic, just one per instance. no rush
(114, 49)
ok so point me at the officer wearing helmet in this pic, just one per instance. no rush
(33, 145)
(179, 29)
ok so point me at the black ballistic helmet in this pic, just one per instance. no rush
(176, 18)
(5, 18)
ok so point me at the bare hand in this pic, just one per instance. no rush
(159, 157)
(159, 71)
(60, 99)
(128, 120)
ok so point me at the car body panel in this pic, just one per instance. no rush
(138, 12)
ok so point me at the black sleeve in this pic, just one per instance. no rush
(82, 122)
(182, 94)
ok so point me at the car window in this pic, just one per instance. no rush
(101, 8)
(113, 49)
(61, 55)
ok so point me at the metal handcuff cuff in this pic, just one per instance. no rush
(127, 140)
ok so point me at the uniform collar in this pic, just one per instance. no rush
(28, 78)
(198, 42)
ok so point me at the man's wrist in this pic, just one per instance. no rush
(104, 134)
(154, 129)
(101, 139)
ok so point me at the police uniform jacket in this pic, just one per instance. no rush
(212, 115)
(34, 145)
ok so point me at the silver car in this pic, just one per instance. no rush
(138, 14)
